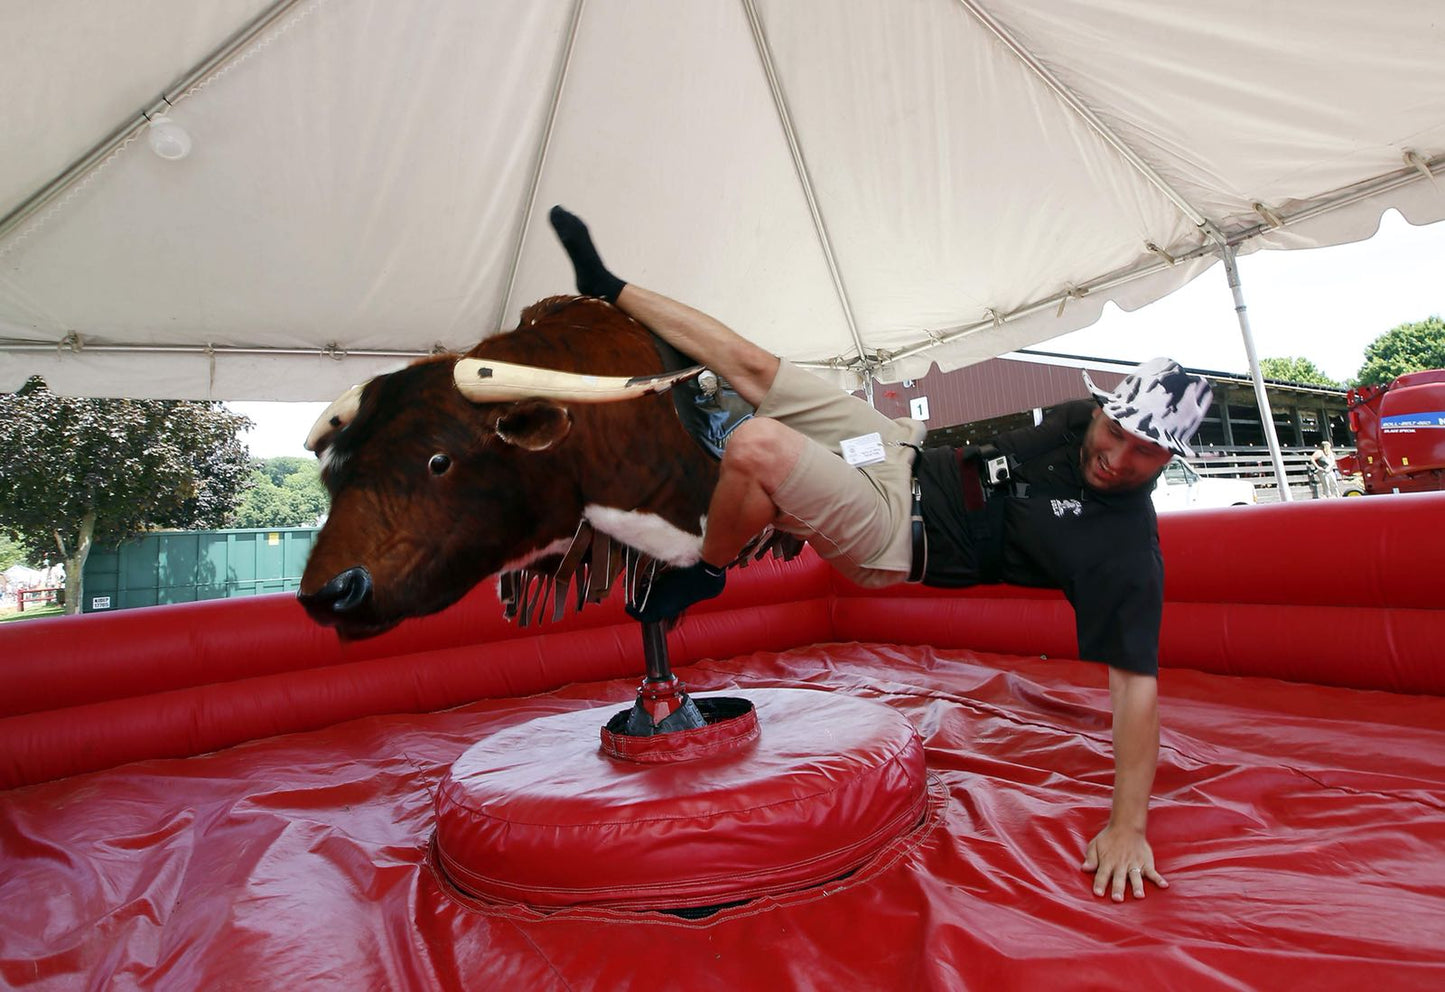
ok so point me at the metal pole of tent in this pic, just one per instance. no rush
(1266, 415)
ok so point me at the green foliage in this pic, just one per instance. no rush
(1294, 369)
(284, 492)
(1406, 348)
(279, 469)
(11, 552)
(128, 465)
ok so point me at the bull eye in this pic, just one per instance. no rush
(439, 464)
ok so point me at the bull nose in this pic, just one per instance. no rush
(344, 593)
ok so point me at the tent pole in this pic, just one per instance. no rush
(539, 164)
(805, 179)
(1266, 415)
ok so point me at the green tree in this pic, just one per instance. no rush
(283, 467)
(284, 492)
(76, 471)
(11, 552)
(1406, 348)
(1294, 369)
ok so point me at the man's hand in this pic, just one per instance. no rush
(1120, 857)
(1120, 854)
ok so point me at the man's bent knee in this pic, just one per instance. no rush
(764, 449)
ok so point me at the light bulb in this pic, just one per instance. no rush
(168, 139)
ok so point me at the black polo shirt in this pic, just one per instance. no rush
(1101, 549)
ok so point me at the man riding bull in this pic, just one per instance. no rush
(1065, 504)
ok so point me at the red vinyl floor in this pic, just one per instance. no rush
(1302, 829)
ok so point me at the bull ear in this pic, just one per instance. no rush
(534, 424)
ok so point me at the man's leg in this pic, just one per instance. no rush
(761, 454)
(748, 368)
(741, 506)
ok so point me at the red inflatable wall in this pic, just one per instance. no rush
(1333, 592)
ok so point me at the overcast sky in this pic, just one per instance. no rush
(1324, 304)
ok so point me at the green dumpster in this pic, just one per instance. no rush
(183, 566)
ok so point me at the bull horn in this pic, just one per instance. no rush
(335, 417)
(484, 381)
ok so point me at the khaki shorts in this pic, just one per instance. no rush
(857, 518)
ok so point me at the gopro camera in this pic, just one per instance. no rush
(996, 470)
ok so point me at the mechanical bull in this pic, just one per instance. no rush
(453, 470)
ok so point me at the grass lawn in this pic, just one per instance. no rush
(32, 613)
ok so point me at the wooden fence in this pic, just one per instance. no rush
(1254, 464)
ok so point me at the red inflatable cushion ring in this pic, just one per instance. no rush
(539, 814)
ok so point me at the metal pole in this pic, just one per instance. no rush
(1093, 120)
(1266, 415)
(654, 652)
(805, 179)
(539, 162)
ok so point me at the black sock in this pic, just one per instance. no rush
(593, 279)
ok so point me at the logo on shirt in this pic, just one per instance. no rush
(1062, 506)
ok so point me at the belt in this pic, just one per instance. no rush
(919, 563)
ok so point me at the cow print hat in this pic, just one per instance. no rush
(1159, 402)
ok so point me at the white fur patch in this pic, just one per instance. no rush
(647, 532)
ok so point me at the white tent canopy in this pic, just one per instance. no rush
(854, 184)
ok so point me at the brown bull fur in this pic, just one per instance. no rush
(519, 475)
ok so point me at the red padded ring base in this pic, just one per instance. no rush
(539, 814)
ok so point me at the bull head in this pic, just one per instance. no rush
(452, 470)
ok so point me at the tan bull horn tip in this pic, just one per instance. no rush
(482, 381)
(341, 412)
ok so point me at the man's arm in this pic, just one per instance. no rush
(1122, 846)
